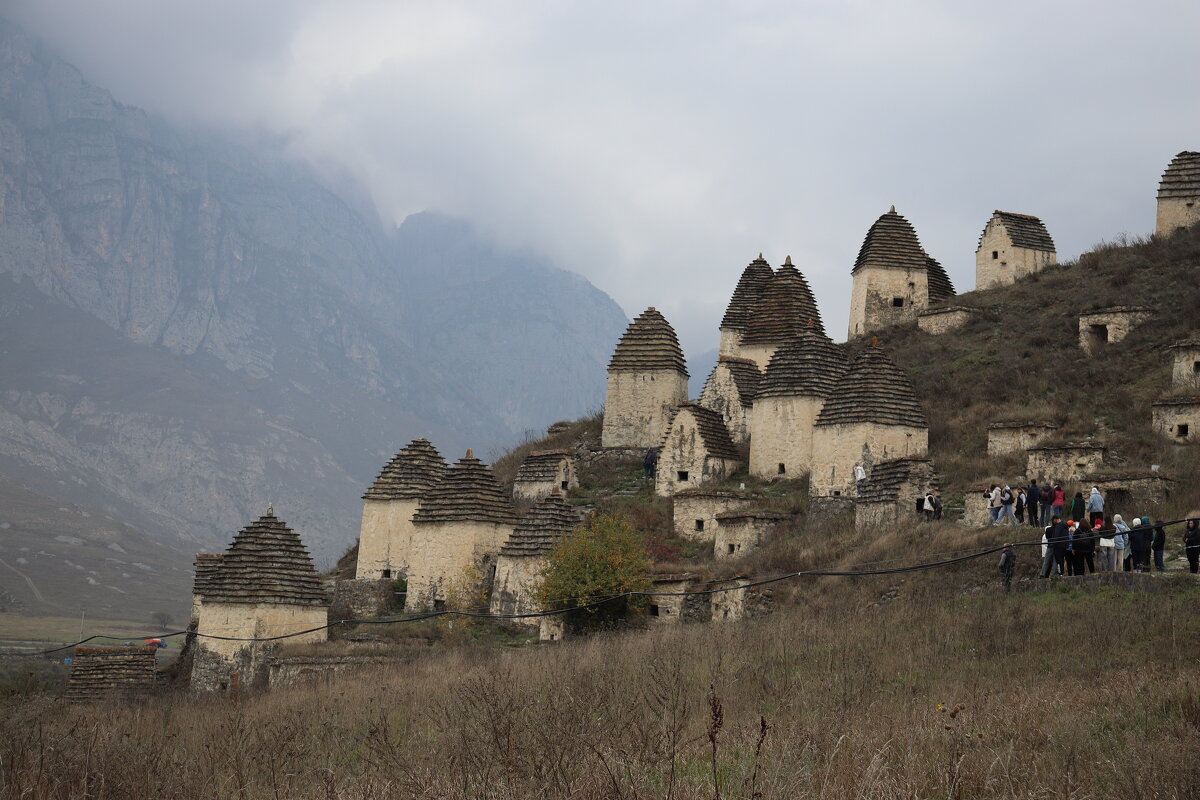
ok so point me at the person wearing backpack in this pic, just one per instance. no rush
(1007, 498)
(1191, 544)
(1008, 565)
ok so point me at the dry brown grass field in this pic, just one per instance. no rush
(924, 685)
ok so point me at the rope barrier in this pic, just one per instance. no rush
(601, 600)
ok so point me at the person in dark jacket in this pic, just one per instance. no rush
(1158, 544)
(1141, 538)
(1084, 548)
(1033, 501)
(1191, 544)
(1008, 564)
(650, 462)
(1078, 508)
(1058, 538)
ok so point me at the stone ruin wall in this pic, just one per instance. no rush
(945, 321)
(975, 508)
(451, 557)
(1002, 441)
(1119, 324)
(1013, 262)
(782, 433)
(637, 406)
(671, 606)
(216, 661)
(721, 395)
(1175, 213)
(1184, 371)
(743, 602)
(385, 538)
(363, 598)
(1063, 466)
(837, 447)
(888, 514)
(742, 535)
(871, 298)
(730, 345)
(101, 673)
(307, 670)
(517, 578)
(1167, 417)
(684, 451)
(564, 480)
(687, 508)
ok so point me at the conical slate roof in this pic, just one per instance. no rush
(541, 466)
(1182, 178)
(266, 563)
(750, 288)
(1024, 231)
(875, 389)
(205, 567)
(713, 433)
(886, 478)
(891, 243)
(746, 377)
(539, 531)
(410, 473)
(810, 365)
(785, 309)
(940, 287)
(649, 343)
(468, 493)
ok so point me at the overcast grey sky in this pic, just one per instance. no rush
(656, 147)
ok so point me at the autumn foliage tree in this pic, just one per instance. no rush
(600, 558)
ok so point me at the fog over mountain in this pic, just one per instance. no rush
(192, 327)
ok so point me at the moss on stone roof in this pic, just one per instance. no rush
(649, 343)
(410, 473)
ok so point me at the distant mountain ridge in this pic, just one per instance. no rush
(192, 327)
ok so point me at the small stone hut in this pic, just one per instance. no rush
(266, 586)
(893, 277)
(1177, 418)
(799, 378)
(101, 673)
(385, 536)
(1179, 194)
(1131, 494)
(1062, 463)
(872, 416)
(756, 277)
(524, 554)
(944, 319)
(730, 391)
(735, 599)
(669, 603)
(694, 511)
(739, 532)
(696, 449)
(543, 472)
(892, 492)
(1011, 247)
(1185, 368)
(458, 531)
(647, 377)
(1017, 436)
(1106, 326)
(786, 308)
(204, 567)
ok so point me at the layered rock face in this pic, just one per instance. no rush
(195, 326)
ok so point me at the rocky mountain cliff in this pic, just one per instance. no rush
(191, 327)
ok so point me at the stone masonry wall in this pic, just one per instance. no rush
(737, 537)
(760, 354)
(1063, 465)
(1167, 418)
(688, 509)
(216, 661)
(782, 433)
(1010, 264)
(684, 451)
(668, 608)
(1119, 324)
(1015, 440)
(721, 395)
(941, 321)
(517, 577)
(564, 480)
(385, 538)
(730, 345)
(1175, 213)
(637, 406)
(837, 447)
(1184, 370)
(363, 598)
(299, 670)
(449, 557)
(871, 296)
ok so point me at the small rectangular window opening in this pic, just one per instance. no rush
(837, 494)
(564, 485)
(699, 525)
(1196, 366)
(1182, 431)
(683, 475)
(897, 302)
(731, 549)
(387, 573)
(782, 469)
(439, 605)
(995, 255)
(654, 611)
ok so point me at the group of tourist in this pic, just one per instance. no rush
(1086, 540)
